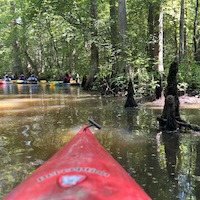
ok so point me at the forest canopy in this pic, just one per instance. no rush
(109, 41)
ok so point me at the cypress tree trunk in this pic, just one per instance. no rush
(170, 113)
(182, 32)
(113, 35)
(130, 101)
(196, 37)
(153, 34)
(160, 52)
(150, 35)
(94, 62)
(123, 34)
(170, 119)
(159, 89)
(155, 47)
(31, 62)
(17, 67)
(172, 90)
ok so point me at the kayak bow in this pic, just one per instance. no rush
(81, 170)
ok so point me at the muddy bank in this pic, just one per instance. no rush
(185, 102)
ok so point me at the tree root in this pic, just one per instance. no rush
(181, 123)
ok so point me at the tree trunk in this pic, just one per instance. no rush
(94, 66)
(155, 48)
(182, 32)
(170, 113)
(156, 34)
(153, 35)
(123, 34)
(172, 89)
(114, 38)
(160, 52)
(24, 48)
(196, 37)
(31, 62)
(17, 67)
(130, 101)
(54, 48)
(150, 36)
(170, 119)
(159, 88)
(175, 33)
(122, 18)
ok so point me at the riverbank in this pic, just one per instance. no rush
(185, 102)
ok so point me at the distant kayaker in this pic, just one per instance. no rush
(7, 78)
(32, 78)
(22, 77)
(67, 78)
(77, 78)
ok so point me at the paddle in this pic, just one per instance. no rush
(93, 123)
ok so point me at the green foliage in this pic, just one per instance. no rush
(191, 78)
(57, 37)
(111, 85)
(183, 86)
(145, 83)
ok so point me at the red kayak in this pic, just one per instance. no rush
(81, 170)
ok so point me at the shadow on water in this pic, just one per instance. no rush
(172, 152)
(131, 116)
(197, 170)
(37, 120)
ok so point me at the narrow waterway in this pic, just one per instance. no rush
(37, 120)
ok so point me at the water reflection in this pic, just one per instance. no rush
(197, 170)
(180, 156)
(37, 121)
(172, 153)
(7, 88)
(131, 117)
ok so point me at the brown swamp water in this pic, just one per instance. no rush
(37, 120)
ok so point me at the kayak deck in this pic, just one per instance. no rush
(81, 170)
